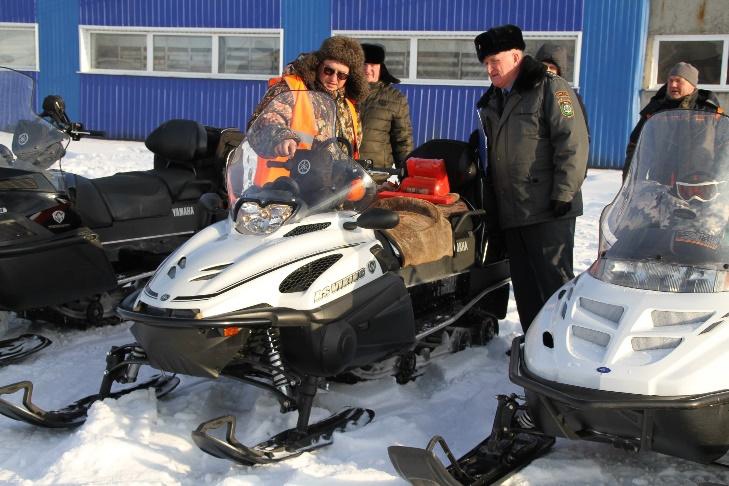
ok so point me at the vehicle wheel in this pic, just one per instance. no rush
(405, 367)
(484, 331)
(95, 313)
(460, 339)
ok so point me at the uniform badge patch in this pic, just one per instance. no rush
(565, 104)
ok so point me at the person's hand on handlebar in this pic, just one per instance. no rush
(286, 148)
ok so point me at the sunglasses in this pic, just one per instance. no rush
(703, 191)
(340, 75)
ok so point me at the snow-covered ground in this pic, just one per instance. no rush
(141, 440)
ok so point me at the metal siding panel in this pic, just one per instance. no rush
(614, 29)
(448, 15)
(306, 25)
(21, 11)
(130, 107)
(250, 14)
(58, 51)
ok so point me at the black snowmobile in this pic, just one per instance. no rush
(312, 276)
(70, 247)
(632, 352)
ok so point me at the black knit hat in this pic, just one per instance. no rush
(375, 54)
(553, 53)
(498, 39)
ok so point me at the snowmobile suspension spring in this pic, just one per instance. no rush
(274, 358)
(137, 354)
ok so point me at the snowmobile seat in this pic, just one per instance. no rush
(134, 195)
(89, 203)
(423, 235)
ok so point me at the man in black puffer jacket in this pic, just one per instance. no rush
(387, 136)
(679, 92)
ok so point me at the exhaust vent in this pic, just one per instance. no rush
(307, 228)
(671, 318)
(300, 279)
(654, 343)
(214, 272)
(591, 335)
(610, 312)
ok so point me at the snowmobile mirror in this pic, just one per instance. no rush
(375, 218)
(55, 107)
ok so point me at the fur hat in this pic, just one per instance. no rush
(498, 39)
(340, 49)
(375, 54)
(686, 71)
(553, 53)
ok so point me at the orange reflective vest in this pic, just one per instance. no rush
(302, 124)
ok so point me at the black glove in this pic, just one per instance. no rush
(560, 208)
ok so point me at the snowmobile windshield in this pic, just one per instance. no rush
(292, 165)
(666, 229)
(27, 141)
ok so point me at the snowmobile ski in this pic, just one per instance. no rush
(17, 348)
(507, 450)
(285, 445)
(479, 466)
(74, 414)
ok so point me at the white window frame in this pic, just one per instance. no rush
(25, 26)
(85, 32)
(723, 86)
(414, 35)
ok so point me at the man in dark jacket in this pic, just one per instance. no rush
(537, 156)
(554, 58)
(387, 136)
(679, 92)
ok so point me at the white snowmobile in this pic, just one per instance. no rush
(632, 352)
(311, 276)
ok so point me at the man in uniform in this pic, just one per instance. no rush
(537, 156)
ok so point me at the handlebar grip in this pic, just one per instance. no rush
(97, 133)
(275, 163)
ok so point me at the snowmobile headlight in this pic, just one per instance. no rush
(661, 277)
(256, 220)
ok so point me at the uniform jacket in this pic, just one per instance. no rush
(387, 132)
(537, 149)
(700, 99)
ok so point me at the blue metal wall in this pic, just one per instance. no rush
(614, 35)
(454, 15)
(306, 25)
(22, 11)
(129, 107)
(58, 52)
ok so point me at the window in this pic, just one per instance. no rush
(18, 46)
(223, 53)
(705, 52)
(450, 58)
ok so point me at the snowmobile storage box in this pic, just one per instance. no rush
(66, 267)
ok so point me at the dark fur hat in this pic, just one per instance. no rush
(498, 39)
(340, 49)
(375, 54)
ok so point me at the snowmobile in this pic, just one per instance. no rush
(309, 279)
(70, 247)
(632, 351)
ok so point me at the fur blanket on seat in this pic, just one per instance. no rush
(424, 233)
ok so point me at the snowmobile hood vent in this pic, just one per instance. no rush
(300, 279)
(591, 335)
(671, 318)
(214, 272)
(654, 343)
(307, 228)
(611, 312)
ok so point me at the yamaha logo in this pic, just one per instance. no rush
(164, 297)
(23, 138)
(461, 246)
(371, 266)
(58, 216)
(603, 369)
(304, 167)
(183, 211)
